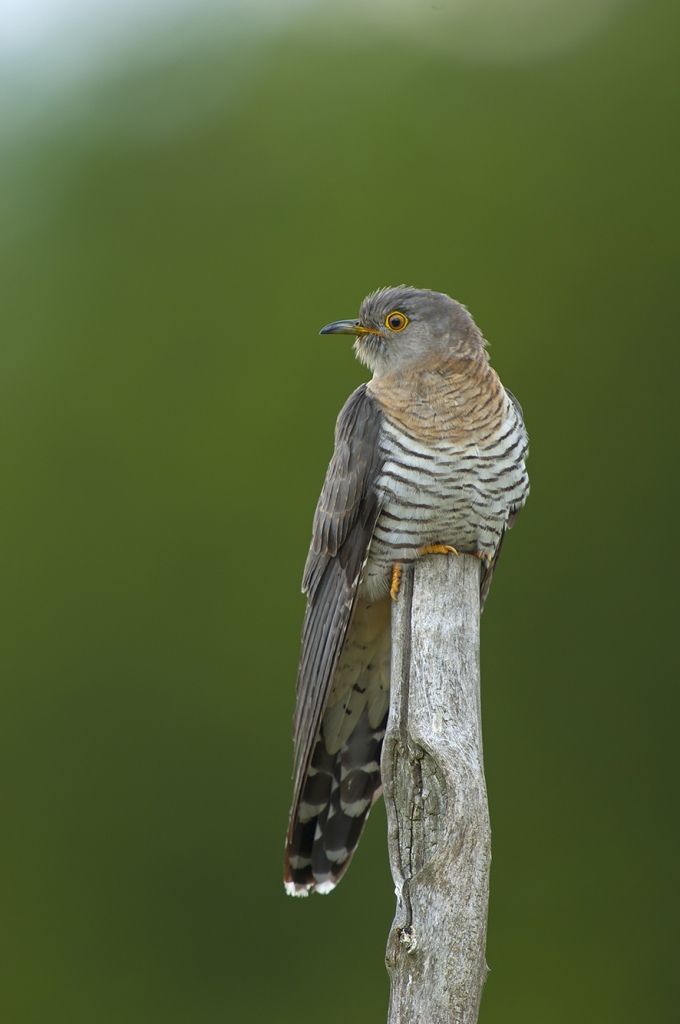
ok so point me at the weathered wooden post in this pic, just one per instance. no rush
(435, 793)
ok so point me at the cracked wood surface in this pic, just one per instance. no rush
(435, 793)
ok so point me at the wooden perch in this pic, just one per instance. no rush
(433, 780)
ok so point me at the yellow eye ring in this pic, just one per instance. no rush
(396, 321)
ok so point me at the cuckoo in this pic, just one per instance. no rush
(429, 458)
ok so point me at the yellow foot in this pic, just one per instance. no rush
(437, 549)
(396, 580)
(484, 556)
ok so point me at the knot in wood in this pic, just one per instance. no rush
(408, 938)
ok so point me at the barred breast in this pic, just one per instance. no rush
(453, 468)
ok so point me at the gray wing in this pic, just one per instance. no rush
(343, 527)
(487, 574)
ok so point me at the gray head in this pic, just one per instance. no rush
(400, 327)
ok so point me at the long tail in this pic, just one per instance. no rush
(343, 780)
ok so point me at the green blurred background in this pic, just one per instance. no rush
(177, 229)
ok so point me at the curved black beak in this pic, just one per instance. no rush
(347, 327)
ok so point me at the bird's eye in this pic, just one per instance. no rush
(396, 321)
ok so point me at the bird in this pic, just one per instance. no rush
(429, 457)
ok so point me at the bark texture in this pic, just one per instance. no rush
(435, 793)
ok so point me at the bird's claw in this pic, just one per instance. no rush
(438, 549)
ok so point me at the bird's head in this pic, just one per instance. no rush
(402, 327)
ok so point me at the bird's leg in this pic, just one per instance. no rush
(437, 549)
(396, 580)
(484, 556)
(429, 549)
